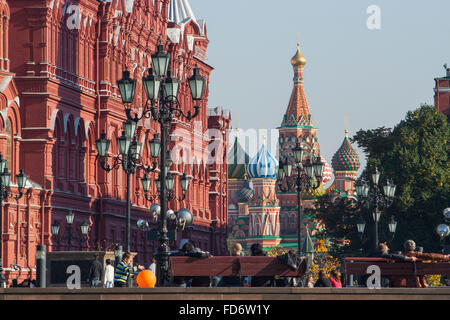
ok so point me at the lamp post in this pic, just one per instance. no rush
(84, 231)
(162, 105)
(392, 226)
(372, 198)
(5, 193)
(308, 175)
(128, 158)
(69, 220)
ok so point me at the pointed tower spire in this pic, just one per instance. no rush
(297, 113)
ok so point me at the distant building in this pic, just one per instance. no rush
(442, 93)
(258, 211)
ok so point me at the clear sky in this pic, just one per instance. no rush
(372, 76)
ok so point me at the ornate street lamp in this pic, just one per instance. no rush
(5, 193)
(392, 227)
(443, 230)
(162, 105)
(183, 218)
(127, 87)
(446, 214)
(69, 221)
(361, 225)
(55, 231)
(84, 230)
(308, 176)
(373, 198)
(128, 158)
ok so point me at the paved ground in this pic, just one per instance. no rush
(225, 294)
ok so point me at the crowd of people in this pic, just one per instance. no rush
(27, 283)
(109, 276)
(117, 277)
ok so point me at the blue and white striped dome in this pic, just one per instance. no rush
(263, 165)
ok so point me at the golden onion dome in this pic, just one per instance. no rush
(298, 60)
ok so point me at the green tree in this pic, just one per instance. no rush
(415, 154)
(340, 216)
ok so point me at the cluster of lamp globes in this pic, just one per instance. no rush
(153, 81)
(313, 166)
(183, 217)
(70, 216)
(362, 187)
(443, 230)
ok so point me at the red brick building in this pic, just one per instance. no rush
(59, 62)
(442, 92)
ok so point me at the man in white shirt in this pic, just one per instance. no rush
(109, 274)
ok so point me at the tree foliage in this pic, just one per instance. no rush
(415, 154)
(340, 216)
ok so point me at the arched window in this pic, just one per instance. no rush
(9, 146)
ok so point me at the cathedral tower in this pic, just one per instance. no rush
(297, 126)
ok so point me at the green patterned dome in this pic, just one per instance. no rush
(345, 159)
(238, 160)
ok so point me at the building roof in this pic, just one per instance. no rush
(297, 113)
(298, 60)
(263, 165)
(180, 11)
(238, 160)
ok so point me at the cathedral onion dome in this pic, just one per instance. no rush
(345, 159)
(312, 194)
(263, 165)
(237, 160)
(298, 60)
(244, 195)
(327, 171)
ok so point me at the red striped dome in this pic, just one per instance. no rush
(327, 171)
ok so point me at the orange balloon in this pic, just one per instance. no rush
(146, 279)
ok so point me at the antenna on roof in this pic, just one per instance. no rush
(346, 128)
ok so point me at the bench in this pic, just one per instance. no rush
(358, 266)
(233, 266)
(395, 269)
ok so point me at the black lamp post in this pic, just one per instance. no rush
(162, 105)
(372, 197)
(5, 193)
(308, 175)
(69, 220)
(128, 158)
